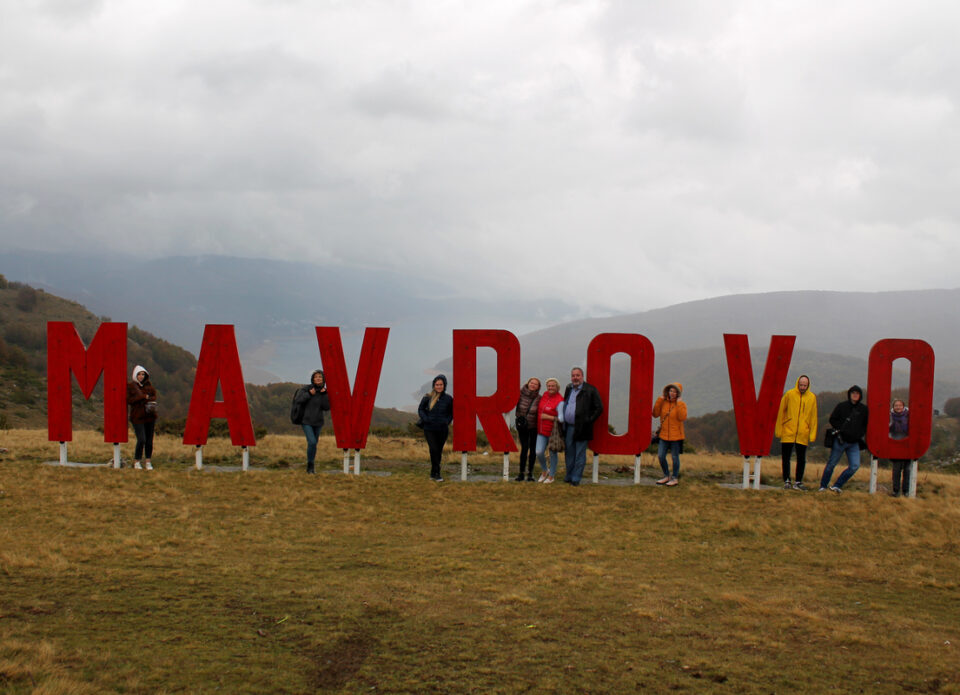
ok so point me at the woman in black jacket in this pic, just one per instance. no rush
(313, 400)
(436, 414)
(849, 421)
(525, 418)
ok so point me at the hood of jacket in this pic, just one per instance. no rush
(858, 390)
(320, 372)
(137, 370)
(676, 384)
(442, 378)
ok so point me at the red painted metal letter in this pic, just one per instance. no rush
(351, 413)
(599, 354)
(757, 415)
(467, 406)
(882, 355)
(107, 355)
(219, 363)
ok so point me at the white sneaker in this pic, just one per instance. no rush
(548, 480)
(137, 466)
(148, 466)
(543, 476)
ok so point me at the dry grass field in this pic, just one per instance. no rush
(275, 581)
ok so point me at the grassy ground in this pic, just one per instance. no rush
(273, 581)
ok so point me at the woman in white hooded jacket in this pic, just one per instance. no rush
(142, 399)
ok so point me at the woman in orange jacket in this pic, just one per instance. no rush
(672, 412)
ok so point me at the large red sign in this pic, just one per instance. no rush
(219, 367)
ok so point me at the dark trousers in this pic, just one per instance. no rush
(144, 432)
(785, 450)
(435, 441)
(901, 472)
(528, 448)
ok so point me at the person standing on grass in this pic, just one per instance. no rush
(899, 429)
(436, 414)
(142, 399)
(672, 411)
(526, 422)
(314, 399)
(849, 421)
(548, 415)
(796, 429)
(581, 408)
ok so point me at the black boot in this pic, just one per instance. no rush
(310, 468)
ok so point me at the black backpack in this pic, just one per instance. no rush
(296, 409)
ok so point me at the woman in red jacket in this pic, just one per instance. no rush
(548, 415)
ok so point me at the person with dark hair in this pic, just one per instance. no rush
(672, 411)
(796, 428)
(436, 414)
(899, 429)
(526, 423)
(142, 399)
(849, 423)
(581, 408)
(313, 398)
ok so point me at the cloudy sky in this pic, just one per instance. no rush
(660, 151)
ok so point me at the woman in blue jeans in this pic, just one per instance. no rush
(849, 421)
(314, 400)
(672, 411)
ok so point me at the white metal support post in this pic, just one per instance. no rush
(356, 462)
(636, 470)
(873, 474)
(914, 471)
(506, 466)
(463, 465)
(346, 462)
(756, 472)
(746, 472)
(116, 455)
(596, 467)
(198, 457)
(245, 459)
(63, 453)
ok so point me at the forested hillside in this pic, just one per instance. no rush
(24, 313)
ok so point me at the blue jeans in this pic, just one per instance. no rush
(852, 451)
(574, 458)
(313, 434)
(542, 442)
(674, 448)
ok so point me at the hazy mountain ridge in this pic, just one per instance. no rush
(835, 331)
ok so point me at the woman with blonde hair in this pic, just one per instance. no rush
(436, 414)
(548, 429)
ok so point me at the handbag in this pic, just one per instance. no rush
(150, 407)
(655, 438)
(556, 442)
(419, 423)
(829, 437)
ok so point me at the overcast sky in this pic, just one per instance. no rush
(654, 151)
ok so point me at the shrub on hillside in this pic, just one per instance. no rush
(952, 407)
(26, 299)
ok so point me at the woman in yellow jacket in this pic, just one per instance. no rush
(672, 412)
(796, 428)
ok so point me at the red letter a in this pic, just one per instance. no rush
(219, 363)
(757, 415)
